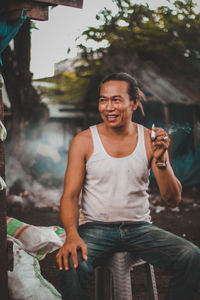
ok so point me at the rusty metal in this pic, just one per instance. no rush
(3, 228)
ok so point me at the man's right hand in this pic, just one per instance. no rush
(70, 247)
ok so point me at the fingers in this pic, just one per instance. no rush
(160, 142)
(66, 250)
(59, 260)
(84, 251)
(74, 258)
(62, 258)
(159, 152)
(160, 137)
(159, 147)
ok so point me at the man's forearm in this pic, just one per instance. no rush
(69, 215)
(169, 186)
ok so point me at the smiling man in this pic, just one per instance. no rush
(109, 166)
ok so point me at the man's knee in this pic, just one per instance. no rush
(75, 281)
(190, 256)
(82, 264)
(70, 260)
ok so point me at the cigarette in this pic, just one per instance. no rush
(153, 133)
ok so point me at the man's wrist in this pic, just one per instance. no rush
(161, 164)
(71, 232)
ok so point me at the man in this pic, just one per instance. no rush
(109, 165)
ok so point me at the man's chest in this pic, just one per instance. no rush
(120, 148)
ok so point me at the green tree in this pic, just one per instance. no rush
(166, 39)
(65, 88)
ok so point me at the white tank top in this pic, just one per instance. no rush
(115, 189)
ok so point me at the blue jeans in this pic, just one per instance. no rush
(144, 240)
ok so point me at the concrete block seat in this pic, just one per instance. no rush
(113, 280)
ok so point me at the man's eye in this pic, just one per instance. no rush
(102, 100)
(116, 99)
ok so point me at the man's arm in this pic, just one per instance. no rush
(169, 186)
(74, 178)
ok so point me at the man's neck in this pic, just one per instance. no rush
(122, 131)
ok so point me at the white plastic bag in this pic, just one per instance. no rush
(26, 281)
(31, 244)
(36, 240)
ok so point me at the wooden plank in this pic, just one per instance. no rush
(3, 212)
(33, 10)
(72, 3)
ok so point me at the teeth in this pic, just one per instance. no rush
(111, 117)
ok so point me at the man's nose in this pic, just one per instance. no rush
(110, 106)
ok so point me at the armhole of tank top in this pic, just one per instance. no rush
(97, 145)
(141, 141)
(93, 142)
(92, 130)
(97, 140)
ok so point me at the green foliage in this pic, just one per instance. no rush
(65, 88)
(33, 26)
(135, 36)
(166, 38)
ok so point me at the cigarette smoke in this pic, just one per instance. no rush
(174, 127)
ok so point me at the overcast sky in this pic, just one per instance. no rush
(50, 42)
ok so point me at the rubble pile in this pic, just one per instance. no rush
(190, 201)
(26, 192)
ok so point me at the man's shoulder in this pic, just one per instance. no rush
(82, 142)
(146, 130)
(83, 135)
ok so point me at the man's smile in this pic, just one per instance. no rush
(111, 117)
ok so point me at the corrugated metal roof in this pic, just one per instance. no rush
(166, 89)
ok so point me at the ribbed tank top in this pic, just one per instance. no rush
(115, 189)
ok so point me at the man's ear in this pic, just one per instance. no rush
(135, 104)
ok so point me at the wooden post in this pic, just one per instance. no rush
(3, 228)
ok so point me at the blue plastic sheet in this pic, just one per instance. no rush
(8, 30)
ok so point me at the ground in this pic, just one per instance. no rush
(183, 221)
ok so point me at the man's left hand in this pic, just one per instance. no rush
(160, 144)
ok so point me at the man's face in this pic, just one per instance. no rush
(115, 105)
